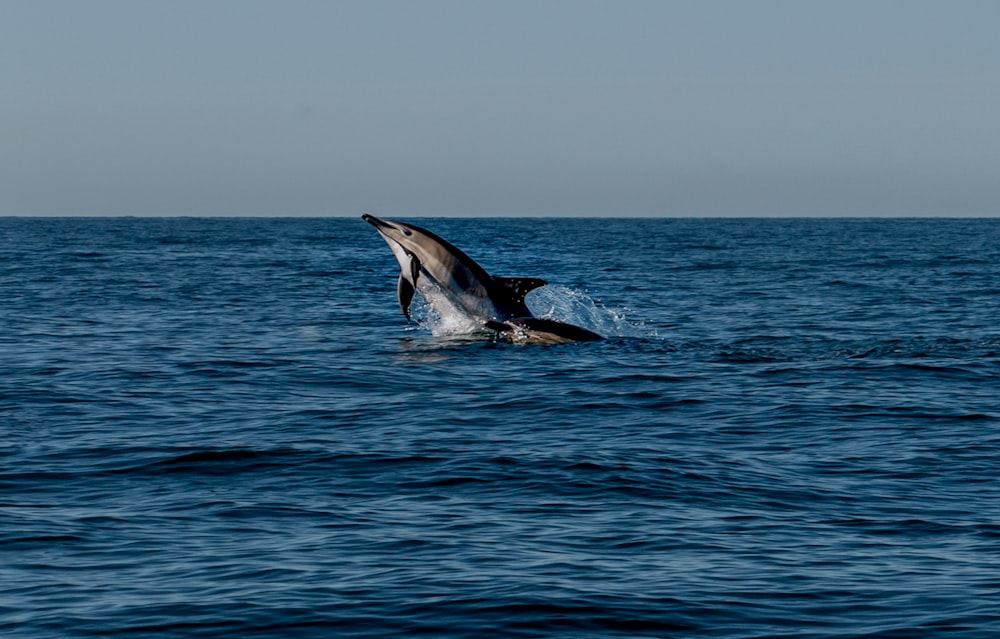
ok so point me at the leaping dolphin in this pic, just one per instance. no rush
(452, 282)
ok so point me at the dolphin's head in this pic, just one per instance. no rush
(408, 241)
(392, 232)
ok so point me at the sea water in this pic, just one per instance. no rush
(226, 427)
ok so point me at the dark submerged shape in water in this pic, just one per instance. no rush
(452, 282)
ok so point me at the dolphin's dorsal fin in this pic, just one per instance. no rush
(518, 287)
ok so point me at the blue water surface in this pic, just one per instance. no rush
(226, 427)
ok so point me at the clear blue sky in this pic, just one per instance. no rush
(507, 107)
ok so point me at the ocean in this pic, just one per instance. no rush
(227, 428)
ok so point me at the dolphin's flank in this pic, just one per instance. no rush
(452, 282)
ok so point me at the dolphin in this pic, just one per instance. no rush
(452, 282)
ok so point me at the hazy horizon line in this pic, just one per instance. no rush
(509, 216)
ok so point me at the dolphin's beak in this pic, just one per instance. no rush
(379, 225)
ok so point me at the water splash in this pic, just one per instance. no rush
(450, 322)
(559, 303)
(574, 306)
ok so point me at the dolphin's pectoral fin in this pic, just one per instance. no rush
(518, 287)
(404, 291)
(414, 268)
(407, 284)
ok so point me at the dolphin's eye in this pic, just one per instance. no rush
(406, 231)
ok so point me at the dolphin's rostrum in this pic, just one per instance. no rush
(452, 282)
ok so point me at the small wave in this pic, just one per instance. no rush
(39, 541)
(213, 462)
(943, 355)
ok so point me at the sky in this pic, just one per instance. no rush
(490, 108)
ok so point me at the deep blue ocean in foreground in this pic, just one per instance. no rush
(227, 428)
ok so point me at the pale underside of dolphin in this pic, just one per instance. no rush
(453, 283)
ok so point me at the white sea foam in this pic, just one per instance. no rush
(450, 321)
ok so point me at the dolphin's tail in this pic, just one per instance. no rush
(536, 330)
